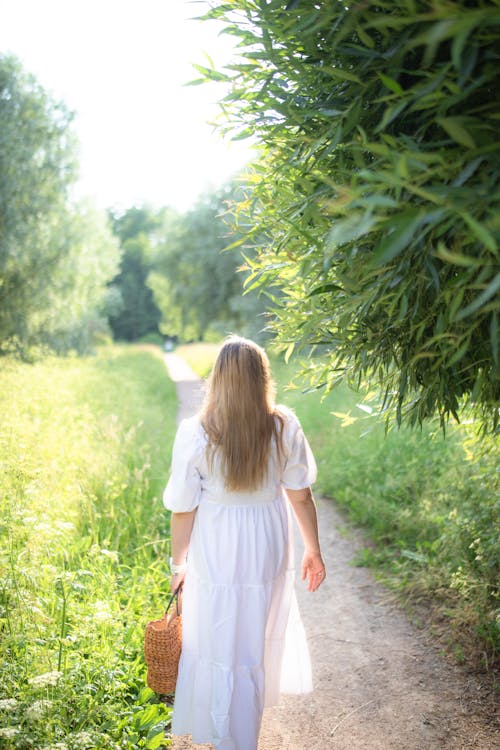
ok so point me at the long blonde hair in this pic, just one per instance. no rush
(239, 414)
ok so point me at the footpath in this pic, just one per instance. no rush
(379, 682)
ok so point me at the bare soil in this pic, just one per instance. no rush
(380, 683)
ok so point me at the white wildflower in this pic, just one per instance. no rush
(55, 746)
(8, 732)
(83, 740)
(46, 679)
(8, 704)
(102, 612)
(38, 709)
(111, 553)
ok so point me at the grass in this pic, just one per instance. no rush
(430, 505)
(200, 357)
(85, 449)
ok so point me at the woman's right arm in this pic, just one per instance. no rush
(304, 507)
(181, 526)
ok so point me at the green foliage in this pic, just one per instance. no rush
(196, 284)
(431, 505)
(136, 312)
(378, 193)
(55, 258)
(77, 294)
(84, 450)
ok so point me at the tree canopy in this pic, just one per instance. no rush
(136, 312)
(196, 284)
(378, 194)
(56, 256)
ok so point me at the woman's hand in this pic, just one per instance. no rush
(176, 581)
(313, 568)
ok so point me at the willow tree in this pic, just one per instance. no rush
(379, 189)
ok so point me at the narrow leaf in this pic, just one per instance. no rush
(480, 231)
(289, 351)
(494, 337)
(458, 259)
(324, 289)
(397, 239)
(391, 83)
(456, 130)
(460, 353)
(485, 295)
(341, 74)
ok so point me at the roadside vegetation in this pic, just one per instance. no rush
(85, 451)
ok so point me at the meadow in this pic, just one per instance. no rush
(85, 452)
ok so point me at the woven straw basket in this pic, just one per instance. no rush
(162, 649)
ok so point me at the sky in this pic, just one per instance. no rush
(121, 65)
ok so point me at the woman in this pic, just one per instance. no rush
(237, 467)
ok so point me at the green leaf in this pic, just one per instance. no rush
(364, 37)
(210, 74)
(391, 83)
(453, 126)
(458, 259)
(289, 351)
(390, 114)
(485, 295)
(494, 336)
(324, 289)
(394, 242)
(457, 47)
(351, 228)
(156, 737)
(480, 231)
(460, 353)
(341, 74)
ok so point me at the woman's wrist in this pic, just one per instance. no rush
(177, 568)
(312, 550)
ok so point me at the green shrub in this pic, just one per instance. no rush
(378, 190)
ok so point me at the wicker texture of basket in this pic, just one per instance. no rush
(162, 649)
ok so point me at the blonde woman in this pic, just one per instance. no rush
(237, 468)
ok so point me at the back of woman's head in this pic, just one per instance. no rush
(239, 414)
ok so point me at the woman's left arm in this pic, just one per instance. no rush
(181, 526)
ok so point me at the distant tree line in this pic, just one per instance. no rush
(71, 275)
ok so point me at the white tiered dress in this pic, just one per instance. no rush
(243, 639)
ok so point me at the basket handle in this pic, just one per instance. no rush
(175, 596)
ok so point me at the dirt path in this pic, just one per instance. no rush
(380, 684)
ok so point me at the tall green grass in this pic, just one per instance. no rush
(84, 450)
(430, 504)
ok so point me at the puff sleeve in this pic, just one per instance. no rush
(183, 490)
(300, 467)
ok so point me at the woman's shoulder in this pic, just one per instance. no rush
(286, 413)
(190, 429)
(290, 421)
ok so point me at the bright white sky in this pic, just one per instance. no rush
(121, 65)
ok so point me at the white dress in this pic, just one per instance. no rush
(243, 639)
